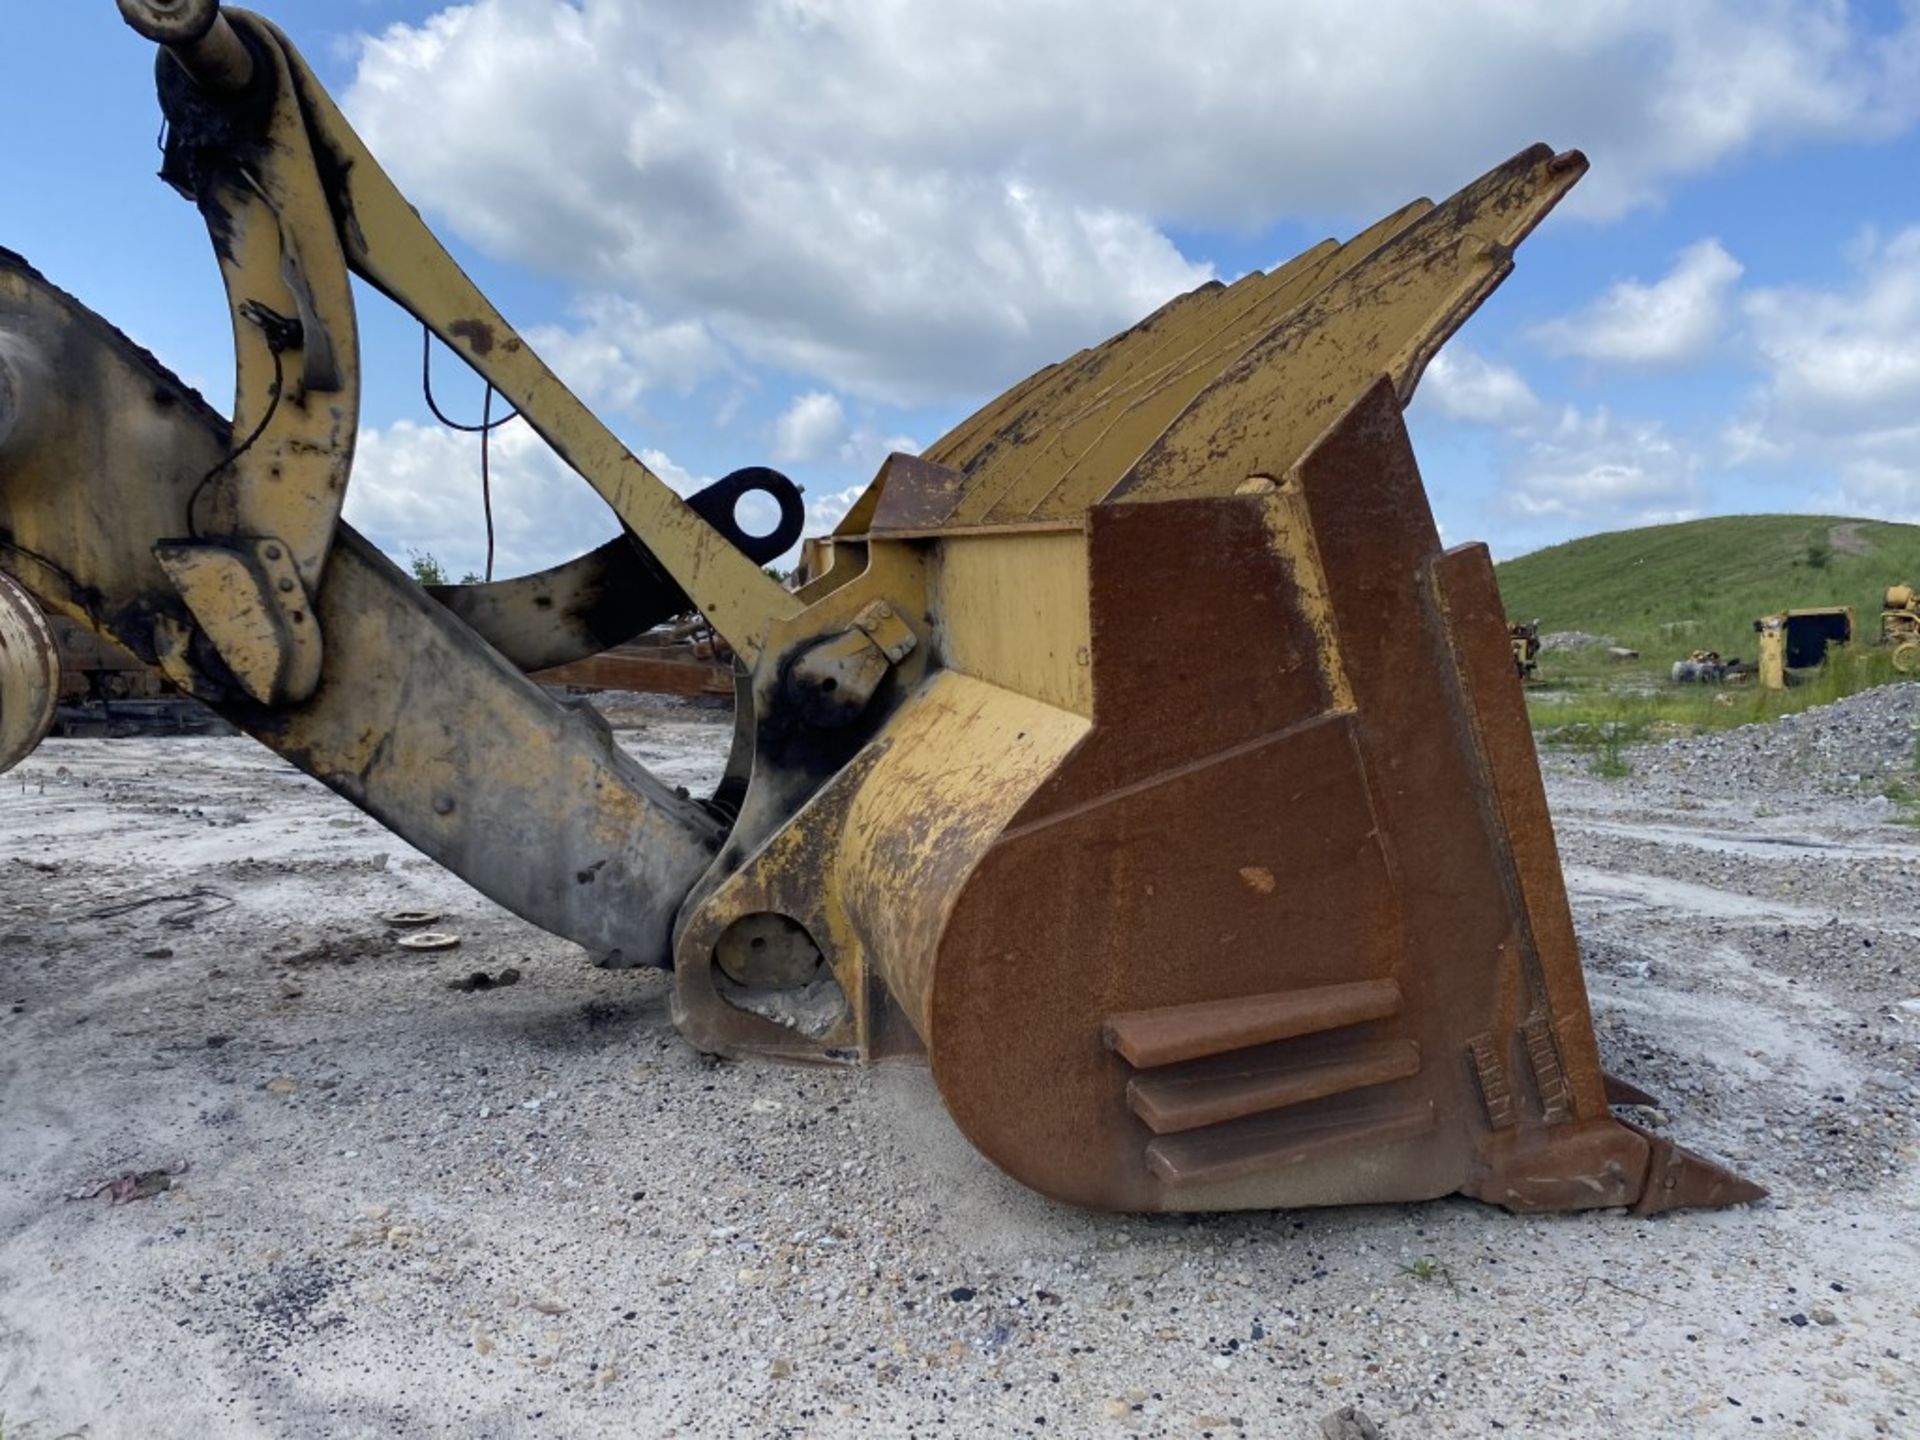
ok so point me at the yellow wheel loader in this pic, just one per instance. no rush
(1139, 761)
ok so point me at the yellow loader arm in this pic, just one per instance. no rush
(1137, 760)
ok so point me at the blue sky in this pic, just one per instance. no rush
(803, 232)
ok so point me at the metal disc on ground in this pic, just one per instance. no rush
(429, 940)
(409, 919)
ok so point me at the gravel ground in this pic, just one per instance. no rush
(399, 1209)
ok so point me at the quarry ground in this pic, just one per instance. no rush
(398, 1209)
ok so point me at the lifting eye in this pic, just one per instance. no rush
(739, 505)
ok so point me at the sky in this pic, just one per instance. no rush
(807, 233)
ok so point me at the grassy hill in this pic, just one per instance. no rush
(1668, 589)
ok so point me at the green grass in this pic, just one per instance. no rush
(1428, 1271)
(1905, 792)
(1668, 589)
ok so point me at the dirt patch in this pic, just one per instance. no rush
(1845, 539)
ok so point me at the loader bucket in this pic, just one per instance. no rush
(1208, 861)
(1136, 758)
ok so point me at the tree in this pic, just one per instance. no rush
(426, 569)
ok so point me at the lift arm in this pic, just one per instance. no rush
(294, 201)
(413, 717)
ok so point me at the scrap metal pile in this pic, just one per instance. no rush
(1142, 762)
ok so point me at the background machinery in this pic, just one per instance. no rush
(1525, 641)
(1140, 763)
(1900, 627)
(1704, 667)
(1799, 640)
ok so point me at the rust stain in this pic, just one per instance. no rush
(477, 333)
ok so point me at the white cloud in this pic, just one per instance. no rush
(678, 478)
(810, 427)
(1833, 427)
(1673, 320)
(1564, 471)
(1880, 479)
(865, 450)
(1846, 359)
(922, 199)
(1590, 471)
(826, 511)
(1840, 404)
(615, 353)
(1747, 440)
(1462, 384)
(417, 487)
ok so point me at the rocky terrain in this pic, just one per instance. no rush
(264, 1173)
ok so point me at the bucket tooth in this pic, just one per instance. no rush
(1625, 1092)
(1678, 1179)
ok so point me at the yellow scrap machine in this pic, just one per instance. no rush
(1900, 627)
(1141, 763)
(1799, 640)
(1525, 641)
